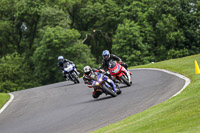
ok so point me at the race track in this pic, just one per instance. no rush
(69, 108)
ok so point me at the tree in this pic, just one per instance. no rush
(15, 74)
(6, 41)
(7, 38)
(129, 45)
(26, 20)
(59, 41)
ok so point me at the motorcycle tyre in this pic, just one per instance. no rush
(75, 79)
(110, 92)
(125, 80)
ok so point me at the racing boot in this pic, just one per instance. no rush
(96, 94)
(67, 78)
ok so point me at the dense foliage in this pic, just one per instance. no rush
(34, 33)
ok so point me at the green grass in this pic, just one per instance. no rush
(4, 97)
(178, 114)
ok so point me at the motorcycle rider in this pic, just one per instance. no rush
(89, 73)
(61, 62)
(107, 57)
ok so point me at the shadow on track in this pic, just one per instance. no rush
(122, 87)
(96, 100)
(103, 98)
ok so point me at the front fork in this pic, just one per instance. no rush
(127, 73)
(75, 70)
(112, 83)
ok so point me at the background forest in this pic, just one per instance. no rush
(34, 33)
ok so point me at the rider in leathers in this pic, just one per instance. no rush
(107, 57)
(61, 62)
(87, 78)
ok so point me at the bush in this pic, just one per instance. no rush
(15, 74)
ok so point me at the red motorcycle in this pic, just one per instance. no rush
(120, 73)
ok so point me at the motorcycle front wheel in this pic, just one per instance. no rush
(75, 77)
(109, 91)
(125, 80)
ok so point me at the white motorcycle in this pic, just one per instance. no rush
(69, 71)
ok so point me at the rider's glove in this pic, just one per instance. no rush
(107, 72)
(120, 62)
(101, 71)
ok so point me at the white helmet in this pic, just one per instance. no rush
(60, 60)
(87, 70)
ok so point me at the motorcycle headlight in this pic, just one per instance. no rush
(96, 83)
(100, 80)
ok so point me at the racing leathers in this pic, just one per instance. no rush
(105, 62)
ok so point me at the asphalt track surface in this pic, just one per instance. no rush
(69, 108)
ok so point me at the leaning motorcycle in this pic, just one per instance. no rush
(120, 73)
(69, 70)
(100, 83)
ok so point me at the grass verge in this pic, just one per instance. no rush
(178, 114)
(4, 97)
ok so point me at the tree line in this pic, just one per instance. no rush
(34, 33)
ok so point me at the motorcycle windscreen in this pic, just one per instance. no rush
(100, 77)
(111, 64)
(114, 67)
(68, 67)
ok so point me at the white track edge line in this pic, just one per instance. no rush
(7, 103)
(187, 80)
